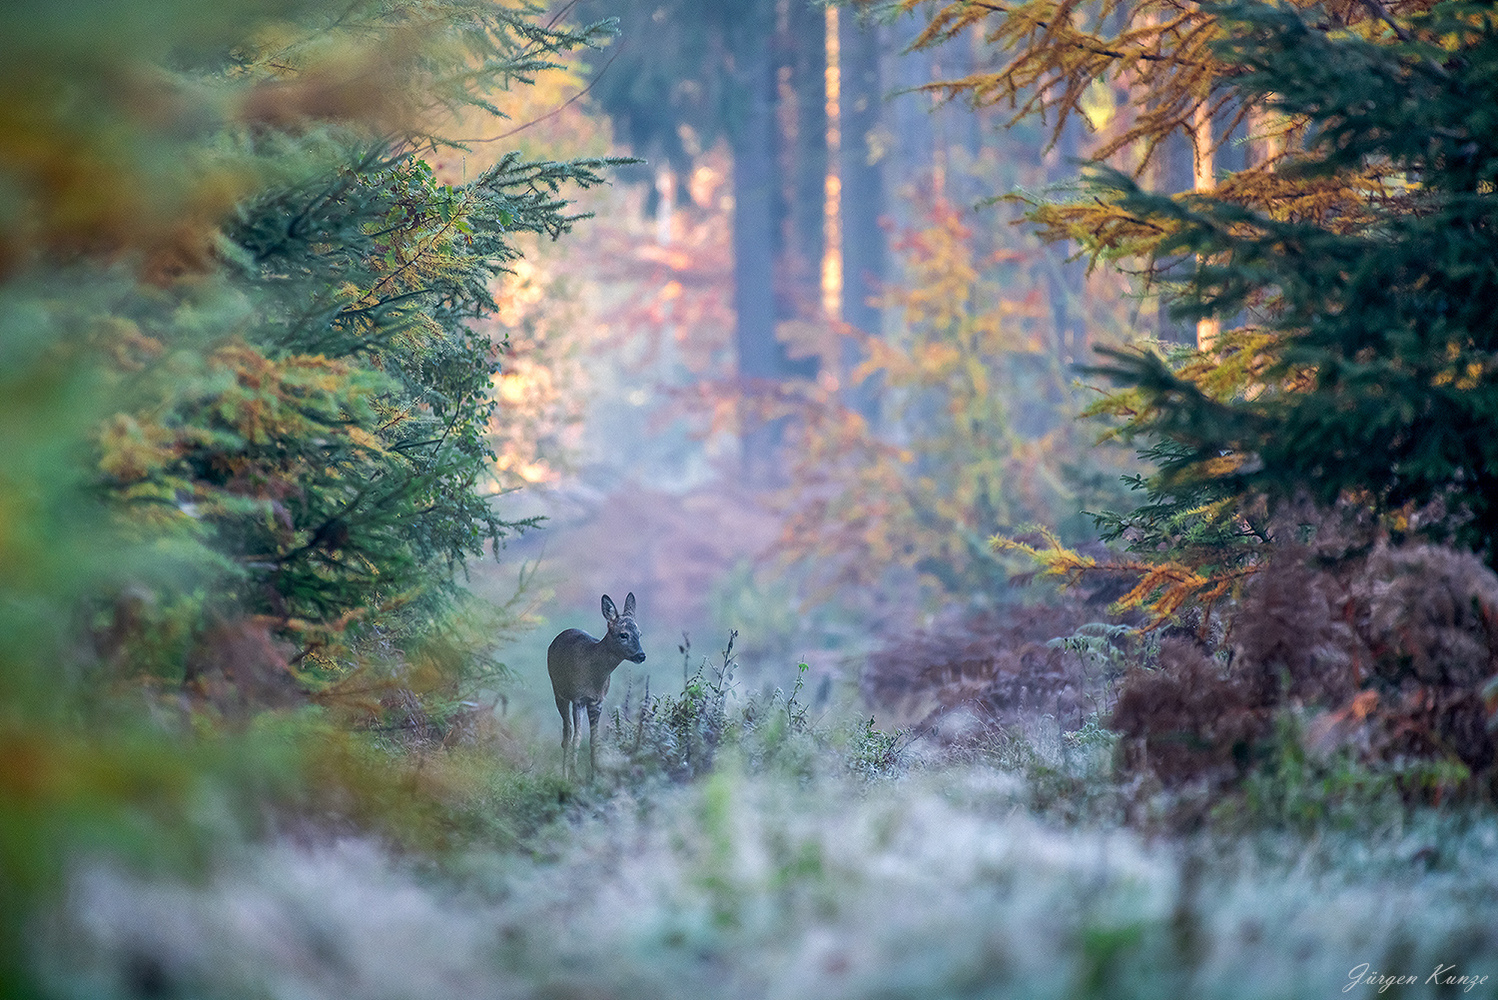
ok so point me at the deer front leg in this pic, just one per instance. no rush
(577, 736)
(565, 709)
(594, 711)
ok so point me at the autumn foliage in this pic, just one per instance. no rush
(970, 434)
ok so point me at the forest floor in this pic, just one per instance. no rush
(808, 861)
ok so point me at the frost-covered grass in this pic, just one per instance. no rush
(759, 881)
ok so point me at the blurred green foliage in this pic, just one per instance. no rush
(244, 413)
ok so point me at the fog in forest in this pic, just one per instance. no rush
(1023, 472)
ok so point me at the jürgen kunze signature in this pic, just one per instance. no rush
(1445, 975)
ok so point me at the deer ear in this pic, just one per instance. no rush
(609, 611)
(629, 605)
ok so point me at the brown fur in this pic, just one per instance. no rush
(581, 667)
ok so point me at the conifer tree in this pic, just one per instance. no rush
(222, 225)
(1302, 239)
(1369, 337)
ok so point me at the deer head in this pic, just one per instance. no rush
(623, 635)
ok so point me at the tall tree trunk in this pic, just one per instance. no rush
(665, 203)
(1204, 180)
(1268, 143)
(1067, 279)
(754, 188)
(802, 161)
(832, 187)
(865, 241)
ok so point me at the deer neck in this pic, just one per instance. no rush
(601, 660)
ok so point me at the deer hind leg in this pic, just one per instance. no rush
(594, 711)
(577, 735)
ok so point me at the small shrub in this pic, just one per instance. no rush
(1104, 652)
(877, 754)
(681, 737)
(1091, 736)
(776, 732)
(678, 736)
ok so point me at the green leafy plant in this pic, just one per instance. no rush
(679, 735)
(874, 753)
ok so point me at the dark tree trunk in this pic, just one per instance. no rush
(1067, 279)
(802, 160)
(865, 241)
(754, 196)
(753, 214)
(1175, 174)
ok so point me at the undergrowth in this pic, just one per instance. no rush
(681, 736)
(497, 797)
(746, 885)
(739, 844)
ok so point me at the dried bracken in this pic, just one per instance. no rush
(1289, 639)
(1189, 719)
(1426, 615)
(1001, 664)
(1389, 651)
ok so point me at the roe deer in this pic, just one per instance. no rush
(580, 666)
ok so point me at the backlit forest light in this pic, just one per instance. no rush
(832, 227)
(781, 498)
